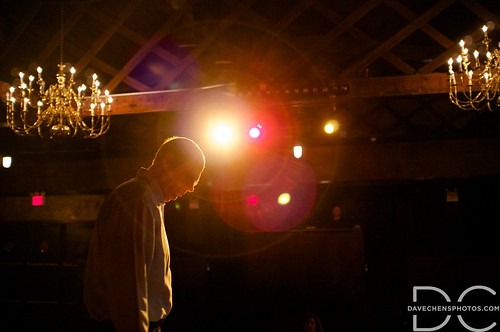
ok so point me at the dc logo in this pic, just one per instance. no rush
(459, 307)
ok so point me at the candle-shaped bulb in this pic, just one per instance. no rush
(485, 31)
(462, 44)
(21, 76)
(476, 54)
(450, 66)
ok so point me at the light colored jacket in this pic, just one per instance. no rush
(127, 278)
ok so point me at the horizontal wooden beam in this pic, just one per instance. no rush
(190, 99)
(435, 83)
(165, 100)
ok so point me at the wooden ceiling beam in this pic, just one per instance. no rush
(190, 99)
(365, 39)
(435, 83)
(396, 38)
(148, 46)
(426, 28)
(479, 10)
(106, 35)
(20, 28)
(207, 42)
(343, 26)
(166, 100)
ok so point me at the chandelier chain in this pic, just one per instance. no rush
(61, 34)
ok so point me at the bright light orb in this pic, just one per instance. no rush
(329, 128)
(254, 132)
(223, 135)
(284, 199)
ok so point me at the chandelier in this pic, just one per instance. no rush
(58, 110)
(476, 83)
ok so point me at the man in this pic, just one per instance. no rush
(127, 284)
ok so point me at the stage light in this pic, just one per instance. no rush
(297, 151)
(284, 199)
(223, 134)
(331, 126)
(255, 131)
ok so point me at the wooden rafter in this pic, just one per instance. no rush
(426, 28)
(205, 44)
(21, 27)
(396, 38)
(55, 41)
(105, 36)
(365, 39)
(183, 100)
(146, 48)
(340, 28)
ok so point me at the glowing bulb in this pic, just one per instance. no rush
(297, 151)
(6, 161)
(329, 128)
(223, 134)
(284, 199)
(254, 132)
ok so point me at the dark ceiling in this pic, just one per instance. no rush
(390, 55)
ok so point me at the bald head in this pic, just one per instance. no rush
(177, 166)
(180, 150)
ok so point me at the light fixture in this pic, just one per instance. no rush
(58, 110)
(297, 151)
(475, 81)
(6, 161)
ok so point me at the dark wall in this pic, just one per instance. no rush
(358, 274)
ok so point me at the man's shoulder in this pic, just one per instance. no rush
(130, 191)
